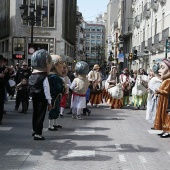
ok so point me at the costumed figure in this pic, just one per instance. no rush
(40, 90)
(67, 83)
(125, 80)
(57, 89)
(162, 119)
(139, 91)
(152, 99)
(79, 87)
(95, 78)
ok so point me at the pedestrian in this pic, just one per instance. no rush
(23, 94)
(57, 89)
(4, 77)
(64, 97)
(162, 119)
(39, 90)
(23, 72)
(79, 87)
(86, 110)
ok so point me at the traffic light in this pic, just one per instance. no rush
(135, 54)
(130, 56)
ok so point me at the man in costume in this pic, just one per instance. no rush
(39, 90)
(57, 88)
(162, 120)
(95, 78)
(79, 87)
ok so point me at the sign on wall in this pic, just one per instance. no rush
(18, 50)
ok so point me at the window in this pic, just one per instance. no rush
(93, 41)
(155, 25)
(48, 19)
(93, 36)
(93, 29)
(98, 42)
(87, 35)
(99, 30)
(163, 20)
(98, 36)
(6, 46)
(87, 48)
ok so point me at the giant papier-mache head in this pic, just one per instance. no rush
(40, 60)
(82, 68)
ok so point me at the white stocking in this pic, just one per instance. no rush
(78, 111)
(55, 122)
(50, 123)
(74, 111)
(61, 110)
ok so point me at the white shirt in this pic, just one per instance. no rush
(47, 90)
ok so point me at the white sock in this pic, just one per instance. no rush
(38, 136)
(61, 110)
(55, 122)
(51, 123)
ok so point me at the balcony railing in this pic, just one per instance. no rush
(150, 41)
(165, 34)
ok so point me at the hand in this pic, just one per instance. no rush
(2, 75)
(49, 107)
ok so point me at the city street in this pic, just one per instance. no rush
(105, 140)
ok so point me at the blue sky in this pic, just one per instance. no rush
(91, 8)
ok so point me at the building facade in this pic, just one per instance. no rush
(95, 43)
(56, 32)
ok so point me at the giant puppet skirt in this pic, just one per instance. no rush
(138, 101)
(96, 98)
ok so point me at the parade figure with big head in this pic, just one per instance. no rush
(39, 90)
(79, 87)
(57, 89)
(162, 120)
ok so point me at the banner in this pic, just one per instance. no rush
(120, 58)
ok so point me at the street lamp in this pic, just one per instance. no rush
(32, 18)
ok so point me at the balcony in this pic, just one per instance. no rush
(115, 25)
(154, 5)
(142, 45)
(165, 34)
(162, 2)
(157, 38)
(137, 21)
(147, 10)
(150, 42)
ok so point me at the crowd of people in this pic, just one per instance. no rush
(51, 84)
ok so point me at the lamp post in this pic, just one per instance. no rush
(31, 18)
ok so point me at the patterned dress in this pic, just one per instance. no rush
(162, 120)
(56, 90)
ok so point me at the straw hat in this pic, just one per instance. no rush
(96, 66)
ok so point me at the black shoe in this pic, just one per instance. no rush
(33, 134)
(89, 112)
(62, 116)
(21, 111)
(165, 135)
(160, 134)
(38, 138)
(52, 129)
(152, 128)
(57, 126)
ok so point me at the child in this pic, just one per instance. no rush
(41, 62)
(23, 94)
(64, 97)
(87, 100)
(79, 87)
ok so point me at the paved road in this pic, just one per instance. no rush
(106, 140)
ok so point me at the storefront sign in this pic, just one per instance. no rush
(39, 32)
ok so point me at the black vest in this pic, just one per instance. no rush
(36, 84)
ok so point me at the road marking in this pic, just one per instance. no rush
(6, 128)
(19, 152)
(142, 158)
(81, 153)
(155, 131)
(118, 147)
(84, 131)
(122, 158)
